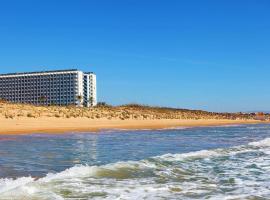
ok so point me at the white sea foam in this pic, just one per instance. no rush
(242, 170)
(196, 154)
(11, 184)
(262, 143)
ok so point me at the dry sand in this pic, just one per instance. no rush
(26, 125)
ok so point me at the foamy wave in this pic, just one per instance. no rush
(196, 154)
(183, 176)
(120, 170)
(11, 184)
(262, 143)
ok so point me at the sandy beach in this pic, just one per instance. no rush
(55, 125)
(23, 118)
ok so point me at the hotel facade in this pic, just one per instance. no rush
(60, 87)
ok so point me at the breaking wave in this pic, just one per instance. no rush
(241, 172)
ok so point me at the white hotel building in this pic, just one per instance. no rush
(61, 87)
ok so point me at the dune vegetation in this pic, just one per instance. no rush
(123, 112)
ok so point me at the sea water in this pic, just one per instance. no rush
(230, 162)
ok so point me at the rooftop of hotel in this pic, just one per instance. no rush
(40, 72)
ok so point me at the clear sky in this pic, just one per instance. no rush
(211, 55)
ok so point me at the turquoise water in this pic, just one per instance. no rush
(231, 162)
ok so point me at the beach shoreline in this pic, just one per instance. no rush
(60, 126)
(29, 119)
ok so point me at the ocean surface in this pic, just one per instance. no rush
(229, 162)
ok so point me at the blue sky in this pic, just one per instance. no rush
(211, 55)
